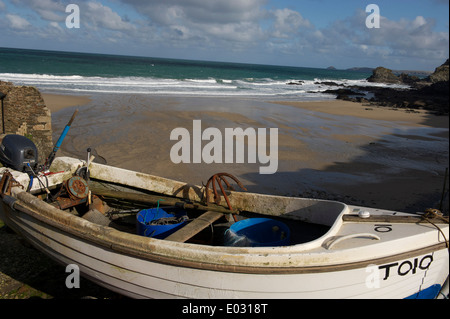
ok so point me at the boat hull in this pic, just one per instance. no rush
(355, 258)
(138, 277)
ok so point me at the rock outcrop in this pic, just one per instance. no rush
(383, 75)
(430, 93)
(408, 79)
(440, 74)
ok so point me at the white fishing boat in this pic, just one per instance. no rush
(333, 250)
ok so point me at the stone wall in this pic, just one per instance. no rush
(25, 114)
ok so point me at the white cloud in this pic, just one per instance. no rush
(17, 22)
(223, 12)
(237, 32)
(94, 14)
(288, 23)
(408, 38)
(231, 28)
(99, 15)
(349, 38)
(210, 21)
(199, 11)
(56, 26)
(50, 10)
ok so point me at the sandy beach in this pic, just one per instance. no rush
(372, 156)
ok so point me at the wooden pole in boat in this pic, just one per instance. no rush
(153, 199)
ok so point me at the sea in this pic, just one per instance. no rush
(88, 73)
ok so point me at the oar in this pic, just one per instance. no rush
(52, 155)
(153, 199)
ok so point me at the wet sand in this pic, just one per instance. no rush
(360, 110)
(56, 102)
(377, 157)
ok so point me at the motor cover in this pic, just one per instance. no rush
(17, 151)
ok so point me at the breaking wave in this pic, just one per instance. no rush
(264, 87)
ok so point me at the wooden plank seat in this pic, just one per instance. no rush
(194, 227)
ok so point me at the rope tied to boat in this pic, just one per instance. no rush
(435, 213)
(431, 213)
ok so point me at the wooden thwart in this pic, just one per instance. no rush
(194, 227)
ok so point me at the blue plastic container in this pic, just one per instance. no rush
(257, 232)
(146, 216)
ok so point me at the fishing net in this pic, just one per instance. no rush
(168, 220)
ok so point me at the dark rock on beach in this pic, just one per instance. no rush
(295, 83)
(383, 75)
(430, 93)
(441, 74)
(329, 83)
(408, 79)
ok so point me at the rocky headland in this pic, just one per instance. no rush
(430, 93)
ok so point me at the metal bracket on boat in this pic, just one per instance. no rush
(219, 178)
(7, 182)
(84, 170)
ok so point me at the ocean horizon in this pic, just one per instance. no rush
(91, 73)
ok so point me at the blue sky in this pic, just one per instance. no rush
(413, 35)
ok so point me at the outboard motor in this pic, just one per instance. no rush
(17, 152)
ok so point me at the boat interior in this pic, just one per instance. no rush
(122, 207)
(125, 214)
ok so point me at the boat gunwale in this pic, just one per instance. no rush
(141, 247)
